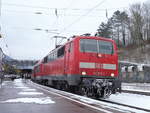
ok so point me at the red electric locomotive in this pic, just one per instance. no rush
(85, 63)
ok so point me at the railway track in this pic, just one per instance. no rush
(136, 92)
(70, 96)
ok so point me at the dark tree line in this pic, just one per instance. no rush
(128, 27)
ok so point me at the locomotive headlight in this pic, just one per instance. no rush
(99, 55)
(83, 73)
(112, 74)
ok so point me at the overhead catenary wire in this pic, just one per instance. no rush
(57, 22)
(51, 31)
(82, 16)
(48, 8)
(47, 14)
(75, 9)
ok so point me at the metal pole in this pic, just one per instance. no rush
(62, 37)
(56, 41)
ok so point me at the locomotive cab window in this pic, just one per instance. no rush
(88, 45)
(96, 46)
(61, 51)
(105, 47)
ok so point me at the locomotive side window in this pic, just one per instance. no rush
(71, 47)
(45, 59)
(88, 45)
(37, 69)
(61, 52)
(55, 55)
(50, 57)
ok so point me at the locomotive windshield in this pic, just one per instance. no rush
(96, 46)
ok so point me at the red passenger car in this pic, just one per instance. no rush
(87, 64)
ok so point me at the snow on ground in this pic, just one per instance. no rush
(125, 98)
(104, 104)
(114, 106)
(25, 90)
(44, 100)
(118, 97)
(19, 83)
(22, 87)
(141, 87)
(141, 101)
(30, 93)
(5, 82)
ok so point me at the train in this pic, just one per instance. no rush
(85, 64)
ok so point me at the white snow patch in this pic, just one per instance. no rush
(84, 99)
(5, 83)
(45, 100)
(107, 105)
(25, 90)
(22, 87)
(123, 108)
(141, 87)
(141, 101)
(18, 82)
(30, 93)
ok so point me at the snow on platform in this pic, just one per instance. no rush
(44, 100)
(30, 93)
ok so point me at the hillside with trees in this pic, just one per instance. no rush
(131, 31)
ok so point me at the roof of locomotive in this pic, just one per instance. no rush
(93, 37)
(75, 38)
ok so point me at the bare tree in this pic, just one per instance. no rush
(146, 16)
(137, 23)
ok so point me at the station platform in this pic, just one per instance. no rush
(20, 97)
(24, 96)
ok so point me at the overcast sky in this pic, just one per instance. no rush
(74, 17)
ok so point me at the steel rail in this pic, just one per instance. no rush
(136, 92)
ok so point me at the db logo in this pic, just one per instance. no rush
(98, 65)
